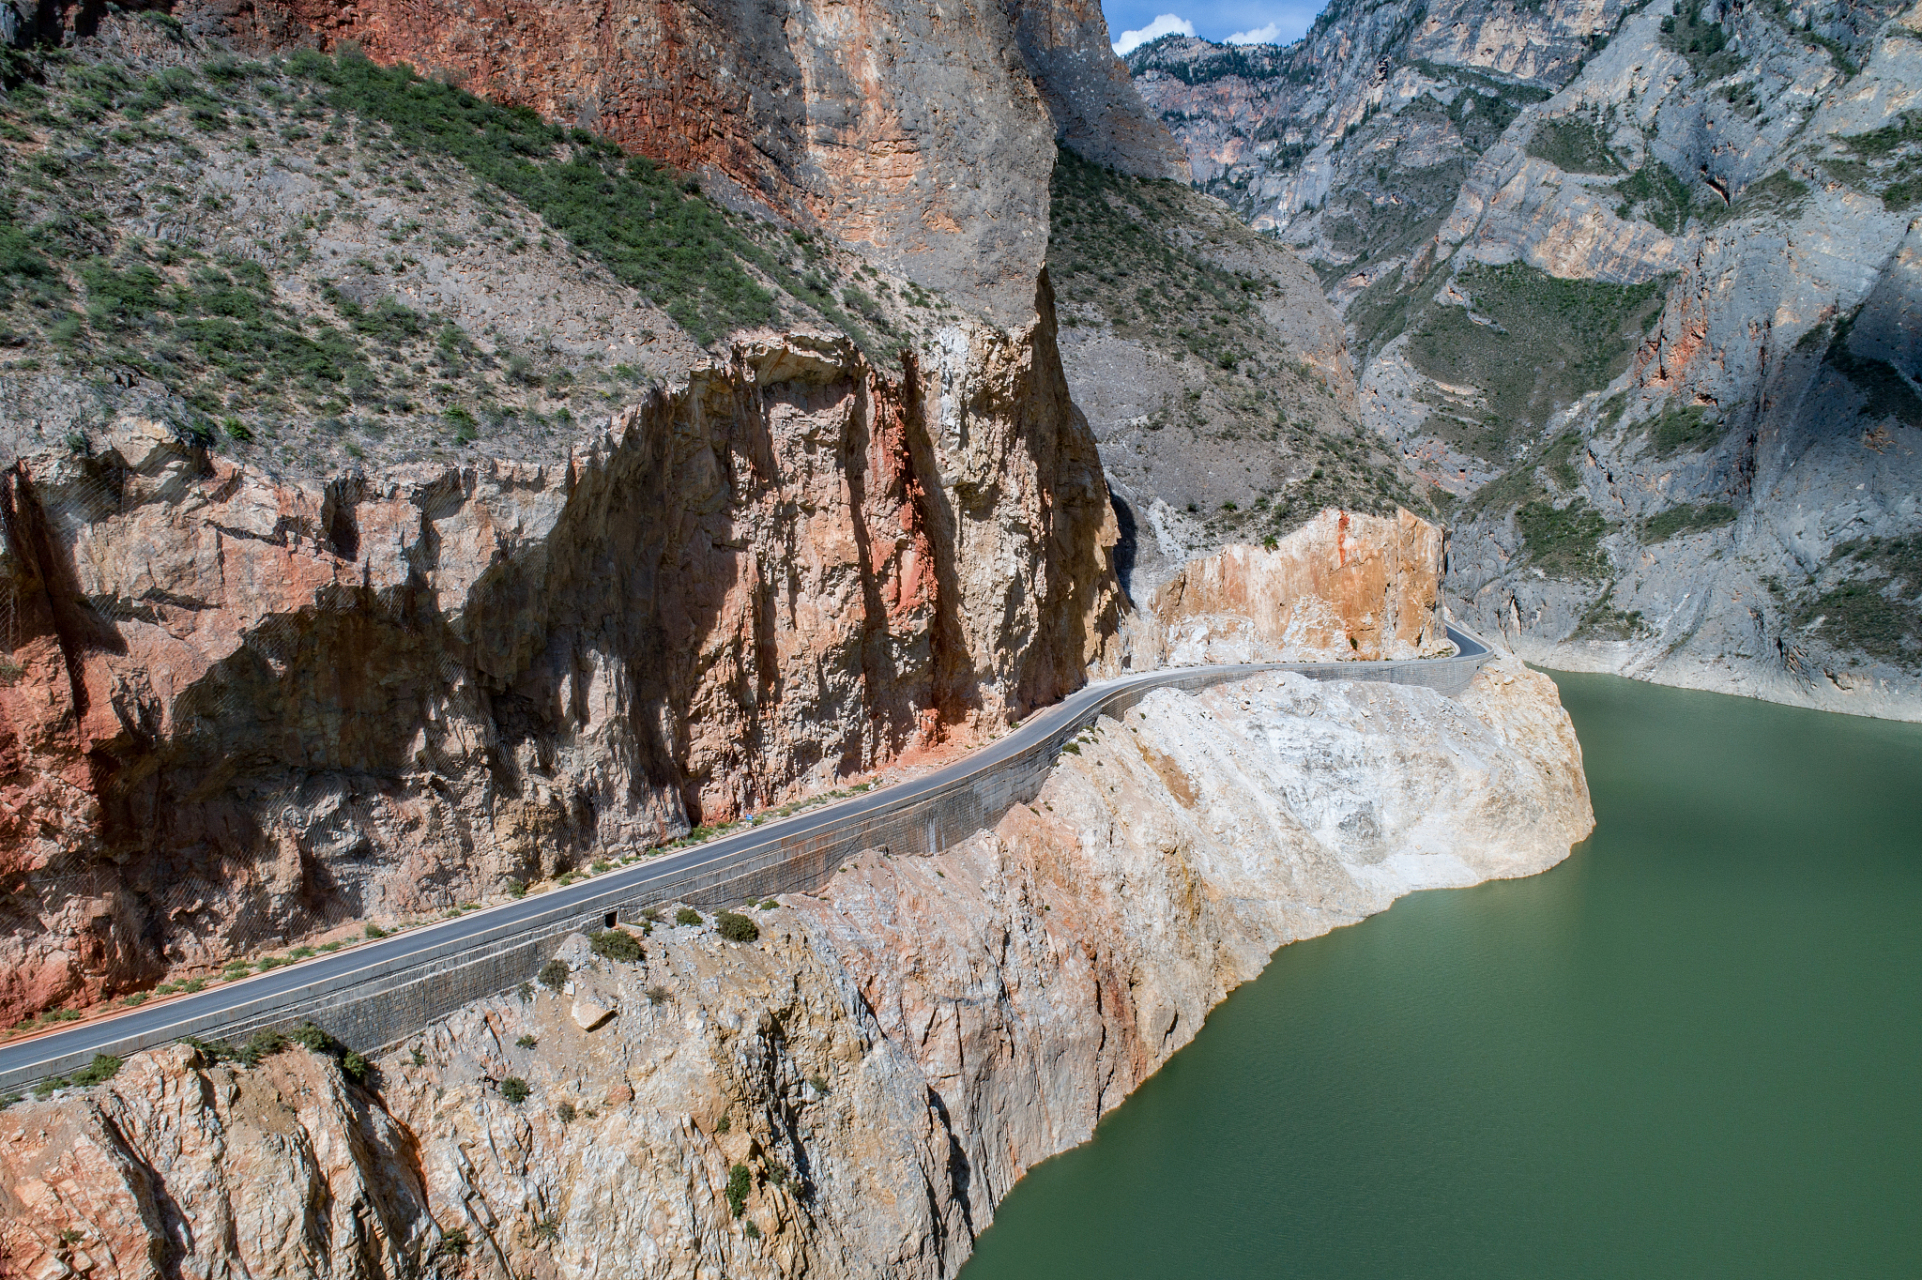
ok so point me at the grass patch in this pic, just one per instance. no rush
(1552, 341)
(1655, 194)
(644, 222)
(1573, 145)
(1685, 519)
(1871, 601)
(1682, 430)
(1564, 542)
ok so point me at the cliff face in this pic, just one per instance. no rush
(1343, 586)
(1640, 287)
(247, 710)
(923, 134)
(871, 1076)
(1215, 375)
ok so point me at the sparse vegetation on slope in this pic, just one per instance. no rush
(1564, 542)
(1573, 145)
(1137, 259)
(1531, 342)
(262, 254)
(1687, 518)
(653, 231)
(1869, 597)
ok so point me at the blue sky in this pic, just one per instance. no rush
(1243, 21)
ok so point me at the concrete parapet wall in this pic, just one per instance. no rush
(386, 1001)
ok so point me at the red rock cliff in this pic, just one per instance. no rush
(247, 710)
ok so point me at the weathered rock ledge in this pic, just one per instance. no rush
(242, 709)
(874, 1073)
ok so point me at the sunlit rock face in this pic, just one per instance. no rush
(871, 1075)
(250, 709)
(1639, 284)
(1343, 586)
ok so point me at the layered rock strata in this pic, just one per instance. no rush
(1640, 284)
(855, 1092)
(1343, 586)
(243, 710)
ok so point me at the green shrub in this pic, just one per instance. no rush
(260, 1045)
(453, 1244)
(736, 927)
(616, 944)
(515, 1090)
(1687, 519)
(210, 1051)
(1687, 429)
(566, 1112)
(659, 995)
(687, 915)
(553, 974)
(103, 1068)
(1565, 542)
(740, 1181)
(526, 1042)
(1573, 145)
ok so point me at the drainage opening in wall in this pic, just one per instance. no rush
(610, 920)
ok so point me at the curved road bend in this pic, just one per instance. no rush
(91, 1037)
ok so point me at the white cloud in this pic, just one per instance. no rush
(1270, 34)
(1166, 25)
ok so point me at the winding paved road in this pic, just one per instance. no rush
(25, 1060)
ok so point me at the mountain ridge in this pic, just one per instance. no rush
(1703, 212)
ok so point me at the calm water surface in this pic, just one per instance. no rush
(1694, 1049)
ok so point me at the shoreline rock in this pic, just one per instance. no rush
(870, 1077)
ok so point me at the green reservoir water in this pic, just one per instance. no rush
(1694, 1049)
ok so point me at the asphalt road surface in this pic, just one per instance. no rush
(185, 1011)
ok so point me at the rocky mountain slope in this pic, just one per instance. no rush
(855, 1091)
(409, 499)
(1638, 285)
(1214, 374)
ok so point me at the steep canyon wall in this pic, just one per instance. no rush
(1638, 286)
(248, 710)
